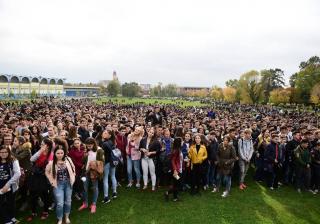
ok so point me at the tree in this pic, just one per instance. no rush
(250, 87)
(315, 94)
(113, 88)
(234, 83)
(307, 78)
(216, 93)
(33, 94)
(271, 79)
(170, 90)
(278, 96)
(229, 94)
(156, 91)
(103, 90)
(131, 89)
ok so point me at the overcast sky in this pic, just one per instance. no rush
(190, 43)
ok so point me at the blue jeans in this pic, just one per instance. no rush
(226, 179)
(112, 171)
(136, 165)
(86, 188)
(210, 174)
(62, 194)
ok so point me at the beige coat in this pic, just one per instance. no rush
(71, 171)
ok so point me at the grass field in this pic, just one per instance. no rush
(149, 101)
(255, 205)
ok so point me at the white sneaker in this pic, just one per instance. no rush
(67, 221)
(138, 186)
(214, 190)
(153, 188)
(271, 188)
(129, 185)
(316, 191)
(225, 194)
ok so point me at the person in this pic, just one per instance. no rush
(176, 168)
(39, 185)
(289, 165)
(245, 147)
(302, 164)
(315, 158)
(134, 156)
(197, 154)
(61, 175)
(108, 145)
(226, 157)
(121, 144)
(186, 172)
(274, 160)
(76, 154)
(94, 154)
(9, 183)
(149, 147)
(212, 158)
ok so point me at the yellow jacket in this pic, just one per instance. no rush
(197, 157)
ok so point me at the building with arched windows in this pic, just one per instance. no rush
(15, 85)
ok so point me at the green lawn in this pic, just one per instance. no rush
(255, 205)
(151, 101)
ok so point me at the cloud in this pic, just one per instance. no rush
(193, 43)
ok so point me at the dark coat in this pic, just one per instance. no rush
(154, 146)
(225, 159)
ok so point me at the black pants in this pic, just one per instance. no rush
(45, 197)
(7, 207)
(303, 177)
(78, 185)
(174, 188)
(273, 177)
(316, 177)
(196, 176)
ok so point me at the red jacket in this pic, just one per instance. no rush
(121, 143)
(176, 161)
(77, 158)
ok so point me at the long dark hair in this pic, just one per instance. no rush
(92, 141)
(60, 144)
(112, 136)
(10, 157)
(176, 145)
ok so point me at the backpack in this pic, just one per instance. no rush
(116, 157)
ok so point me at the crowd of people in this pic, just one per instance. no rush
(53, 151)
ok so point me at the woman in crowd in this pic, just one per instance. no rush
(76, 153)
(61, 175)
(9, 182)
(94, 154)
(197, 154)
(149, 147)
(134, 155)
(39, 185)
(108, 139)
(176, 170)
(226, 157)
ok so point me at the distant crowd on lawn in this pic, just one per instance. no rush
(54, 150)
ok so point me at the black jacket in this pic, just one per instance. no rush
(212, 151)
(154, 146)
(107, 147)
(84, 134)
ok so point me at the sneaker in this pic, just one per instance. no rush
(245, 186)
(299, 190)
(77, 196)
(311, 191)
(225, 194)
(15, 221)
(241, 187)
(153, 188)
(114, 195)
(166, 196)
(205, 187)
(316, 191)
(215, 190)
(40, 203)
(67, 220)
(52, 207)
(93, 209)
(129, 185)
(138, 186)
(145, 187)
(83, 206)
(175, 200)
(44, 215)
(31, 217)
(59, 222)
(23, 207)
(271, 188)
(106, 200)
